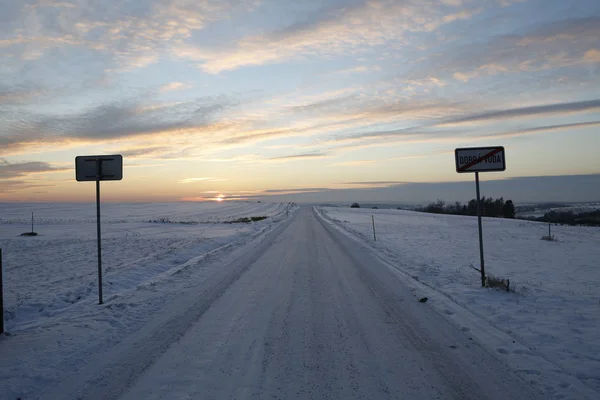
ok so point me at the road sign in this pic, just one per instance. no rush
(480, 159)
(99, 168)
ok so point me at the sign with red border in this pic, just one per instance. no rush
(480, 159)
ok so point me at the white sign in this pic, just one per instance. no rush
(101, 168)
(480, 159)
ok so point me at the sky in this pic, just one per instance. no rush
(243, 99)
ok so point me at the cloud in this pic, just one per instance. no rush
(455, 3)
(376, 183)
(11, 94)
(241, 158)
(361, 110)
(178, 150)
(17, 176)
(371, 135)
(437, 131)
(583, 30)
(296, 157)
(461, 15)
(123, 34)
(578, 188)
(430, 81)
(294, 190)
(25, 169)
(358, 69)
(354, 163)
(203, 179)
(342, 29)
(142, 152)
(592, 56)
(547, 109)
(9, 186)
(540, 129)
(387, 138)
(256, 135)
(323, 106)
(116, 120)
(366, 35)
(169, 87)
(247, 132)
(548, 46)
(506, 3)
(483, 70)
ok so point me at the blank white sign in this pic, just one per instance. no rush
(109, 167)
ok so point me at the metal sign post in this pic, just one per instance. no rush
(479, 212)
(480, 159)
(99, 231)
(99, 168)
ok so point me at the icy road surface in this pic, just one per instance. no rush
(302, 315)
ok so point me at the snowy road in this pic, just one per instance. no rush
(306, 314)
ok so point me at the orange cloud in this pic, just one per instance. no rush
(169, 87)
(592, 56)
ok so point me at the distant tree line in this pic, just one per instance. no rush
(490, 208)
(590, 218)
(542, 206)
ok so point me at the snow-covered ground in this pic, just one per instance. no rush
(555, 310)
(50, 280)
(58, 268)
(304, 312)
(166, 263)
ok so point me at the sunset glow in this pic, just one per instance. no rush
(246, 99)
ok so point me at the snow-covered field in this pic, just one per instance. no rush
(50, 281)
(58, 268)
(158, 258)
(555, 310)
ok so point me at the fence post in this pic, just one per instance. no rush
(373, 219)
